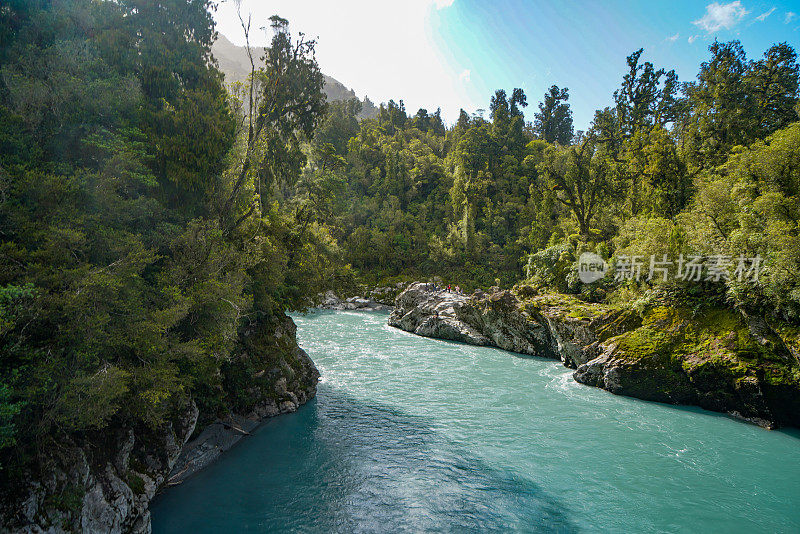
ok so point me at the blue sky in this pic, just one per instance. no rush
(455, 53)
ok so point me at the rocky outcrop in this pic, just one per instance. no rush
(269, 376)
(103, 482)
(720, 359)
(380, 298)
(577, 328)
(100, 483)
(385, 294)
(330, 301)
(495, 319)
(549, 325)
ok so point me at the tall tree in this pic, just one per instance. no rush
(773, 83)
(736, 101)
(644, 101)
(553, 122)
(290, 105)
(582, 179)
(185, 112)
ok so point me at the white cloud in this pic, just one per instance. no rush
(379, 49)
(762, 17)
(465, 75)
(719, 16)
(673, 38)
(790, 16)
(693, 38)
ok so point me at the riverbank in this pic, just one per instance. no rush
(715, 358)
(369, 298)
(103, 481)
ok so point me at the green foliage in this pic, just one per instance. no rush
(749, 207)
(474, 201)
(149, 216)
(582, 178)
(553, 123)
(134, 239)
(658, 182)
(91, 401)
(651, 236)
(418, 198)
(551, 268)
(644, 101)
(736, 101)
(8, 411)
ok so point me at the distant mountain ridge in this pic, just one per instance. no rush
(235, 65)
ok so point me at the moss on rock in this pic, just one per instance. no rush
(709, 357)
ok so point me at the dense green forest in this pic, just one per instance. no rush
(142, 214)
(707, 167)
(148, 211)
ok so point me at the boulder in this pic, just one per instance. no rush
(495, 319)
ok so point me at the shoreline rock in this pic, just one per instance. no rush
(379, 298)
(713, 360)
(480, 319)
(104, 481)
(330, 301)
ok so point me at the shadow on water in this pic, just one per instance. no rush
(341, 465)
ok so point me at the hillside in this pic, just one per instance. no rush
(233, 62)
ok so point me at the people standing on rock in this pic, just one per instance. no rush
(448, 288)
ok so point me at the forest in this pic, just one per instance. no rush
(708, 166)
(149, 211)
(143, 216)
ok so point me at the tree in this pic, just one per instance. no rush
(421, 120)
(643, 101)
(749, 206)
(185, 114)
(736, 101)
(508, 121)
(122, 128)
(581, 177)
(773, 83)
(339, 125)
(437, 126)
(290, 105)
(553, 123)
(658, 179)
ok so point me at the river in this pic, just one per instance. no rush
(409, 434)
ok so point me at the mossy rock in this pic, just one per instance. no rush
(616, 322)
(560, 306)
(709, 358)
(135, 482)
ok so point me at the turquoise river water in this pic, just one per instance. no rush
(409, 434)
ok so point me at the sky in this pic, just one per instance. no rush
(454, 54)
